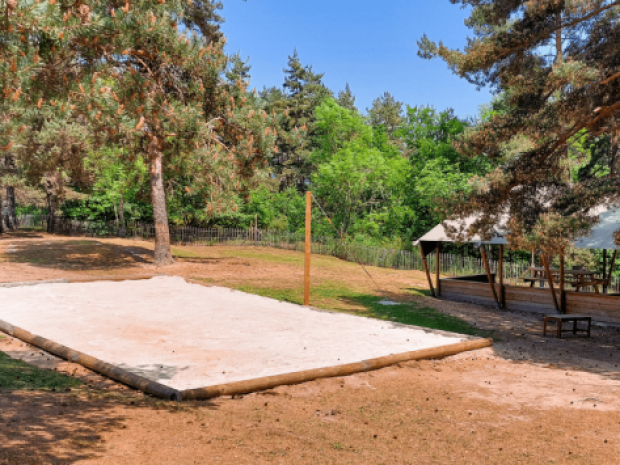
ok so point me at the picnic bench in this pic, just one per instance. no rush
(567, 318)
(576, 278)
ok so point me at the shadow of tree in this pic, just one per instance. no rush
(155, 372)
(399, 309)
(77, 255)
(519, 338)
(48, 428)
(21, 234)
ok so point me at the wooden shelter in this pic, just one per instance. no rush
(490, 288)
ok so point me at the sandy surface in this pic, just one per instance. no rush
(527, 400)
(189, 336)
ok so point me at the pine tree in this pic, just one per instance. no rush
(303, 91)
(346, 99)
(238, 69)
(124, 75)
(557, 67)
(386, 111)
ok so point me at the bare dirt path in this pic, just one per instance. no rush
(527, 400)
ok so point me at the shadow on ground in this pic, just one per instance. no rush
(21, 234)
(519, 337)
(76, 254)
(41, 427)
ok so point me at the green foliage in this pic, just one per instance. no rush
(331, 296)
(303, 90)
(359, 179)
(386, 111)
(438, 170)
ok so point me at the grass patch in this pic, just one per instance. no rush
(340, 298)
(181, 253)
(293, 258)
(15, 374)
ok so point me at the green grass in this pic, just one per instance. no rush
(15, 374)
(340, 298)
(293, 258)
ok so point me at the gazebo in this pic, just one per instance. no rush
(490, 288)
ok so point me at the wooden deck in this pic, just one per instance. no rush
(601, 307)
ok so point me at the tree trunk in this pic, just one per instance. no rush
(614, 149)
(51, 209)
(1, 215)
(122, 232)
(11, 217)
(163, 252)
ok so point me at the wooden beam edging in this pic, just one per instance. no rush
(111, 371)
(270, 382)
(487, 268)
(115, 278)
(545, 260)
(428, 273)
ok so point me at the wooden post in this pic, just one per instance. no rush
(428, 272)
(487, 268)
(500, 273)
(308, 248)
(545, 260)
(562, 284)
(438, 269)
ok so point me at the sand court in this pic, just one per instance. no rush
(188, 336)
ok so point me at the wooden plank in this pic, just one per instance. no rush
(464, 284)
(612, 306)
(591, 297)
(596, 313)
(475, 289)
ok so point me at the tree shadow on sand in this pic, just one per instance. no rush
(78, 255)
(43, 427)
(519, 337)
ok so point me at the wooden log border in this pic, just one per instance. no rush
(270, 382)
(236, 388)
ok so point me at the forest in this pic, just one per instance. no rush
(138, 114)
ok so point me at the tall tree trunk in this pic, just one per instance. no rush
(163, 252)
(614, 150)
(11, 217)
(121, 213)
(51, 211)
(1, 215)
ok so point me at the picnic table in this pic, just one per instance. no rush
(576, 278)
(562, 318)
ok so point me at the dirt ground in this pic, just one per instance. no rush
(528, 399)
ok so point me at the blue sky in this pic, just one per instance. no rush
(370, 45)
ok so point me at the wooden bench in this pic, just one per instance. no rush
(562, 318)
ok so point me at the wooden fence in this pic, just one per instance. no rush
(451, 264)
